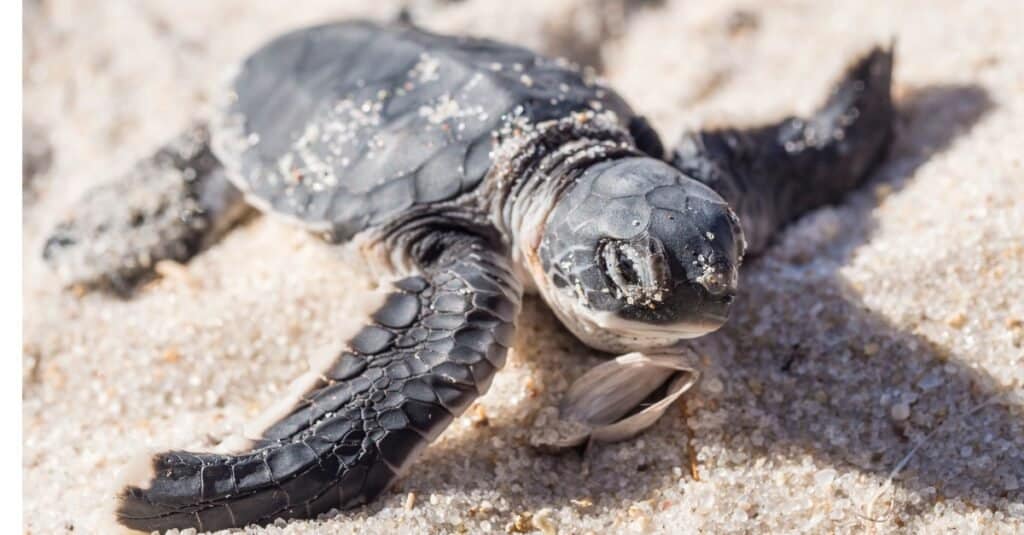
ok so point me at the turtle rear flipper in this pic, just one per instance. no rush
(430, 349)
(167, 207)
(772, 174)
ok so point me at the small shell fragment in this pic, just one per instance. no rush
(599, 405)
(545, 522)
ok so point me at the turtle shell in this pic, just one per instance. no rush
(347, 125)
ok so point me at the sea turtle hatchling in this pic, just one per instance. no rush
(467, 170)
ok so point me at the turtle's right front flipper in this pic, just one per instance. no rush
(167, 207)
(430, 349)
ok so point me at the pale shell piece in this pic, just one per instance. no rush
(596, 405)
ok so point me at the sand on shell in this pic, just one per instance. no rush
(883, 336)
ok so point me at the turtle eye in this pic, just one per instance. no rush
(635, 269)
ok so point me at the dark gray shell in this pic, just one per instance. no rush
(344, 126)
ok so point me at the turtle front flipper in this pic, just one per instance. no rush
(167, 207)
(430, 349)
(772, 174)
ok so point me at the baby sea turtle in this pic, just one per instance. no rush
(467, 170)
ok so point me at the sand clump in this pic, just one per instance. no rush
(870, 379)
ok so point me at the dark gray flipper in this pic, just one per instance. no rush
(773, 174)
(431, 349)
(646, 138)
(168, 206)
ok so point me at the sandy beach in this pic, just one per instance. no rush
(870, 379)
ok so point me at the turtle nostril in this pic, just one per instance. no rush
(716, 284)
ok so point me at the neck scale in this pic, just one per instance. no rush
(533, 165)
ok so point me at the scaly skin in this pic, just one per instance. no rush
(431, 349)
(471, 167)
(773, 174)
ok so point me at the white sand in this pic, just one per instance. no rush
(872, 326)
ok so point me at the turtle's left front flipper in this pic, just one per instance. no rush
(431, 348)
(773, 174)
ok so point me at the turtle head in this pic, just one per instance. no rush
(635, 256)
